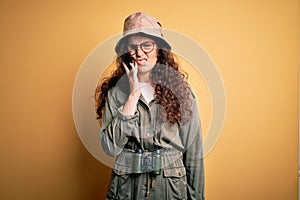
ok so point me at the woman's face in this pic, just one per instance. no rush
(144, 51)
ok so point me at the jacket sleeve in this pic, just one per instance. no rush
(193, 156)
(116, 127)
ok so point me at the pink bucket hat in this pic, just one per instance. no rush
(142, 24)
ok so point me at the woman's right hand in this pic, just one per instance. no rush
(130, 106)
(132, 77)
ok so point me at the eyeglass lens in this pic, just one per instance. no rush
(146, 47)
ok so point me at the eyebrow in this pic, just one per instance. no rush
(129, 43)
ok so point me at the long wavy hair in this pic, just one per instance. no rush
(170, 86)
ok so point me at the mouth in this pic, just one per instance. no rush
(141, 61)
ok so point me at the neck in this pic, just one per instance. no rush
(144, 77)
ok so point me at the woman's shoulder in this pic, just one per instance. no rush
(192, 93)
(118, 93)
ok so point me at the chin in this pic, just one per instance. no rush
(145, 68)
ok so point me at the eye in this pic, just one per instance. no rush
(132, 47)
(147, 44)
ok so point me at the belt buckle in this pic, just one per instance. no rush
(147, 163)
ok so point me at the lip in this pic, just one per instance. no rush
(141, 61)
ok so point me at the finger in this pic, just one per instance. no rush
(132, 65)
(126, 68)
(135, 71)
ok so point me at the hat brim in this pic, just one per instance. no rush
(160, 41)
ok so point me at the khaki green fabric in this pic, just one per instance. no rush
(182, 173)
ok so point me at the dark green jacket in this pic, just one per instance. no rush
(181, 144)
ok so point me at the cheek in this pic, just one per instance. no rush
(153, 57)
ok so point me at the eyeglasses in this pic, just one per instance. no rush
(146, 47)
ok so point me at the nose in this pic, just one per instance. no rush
(139, 51)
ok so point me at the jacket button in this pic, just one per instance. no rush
(179, 174)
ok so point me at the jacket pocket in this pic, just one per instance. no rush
(176, 186)
(120, 186)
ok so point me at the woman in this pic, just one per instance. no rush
(150, 119)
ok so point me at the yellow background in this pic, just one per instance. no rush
(254, 43)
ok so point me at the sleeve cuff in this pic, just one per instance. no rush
(126, 117)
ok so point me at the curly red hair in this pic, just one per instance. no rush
(171, 89)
